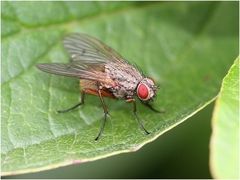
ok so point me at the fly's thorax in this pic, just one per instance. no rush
(146, 89)
(126, 78)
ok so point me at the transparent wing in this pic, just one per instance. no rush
(88, 59)
(73, 70)
(89, 50)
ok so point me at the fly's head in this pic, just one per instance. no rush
(146, 89)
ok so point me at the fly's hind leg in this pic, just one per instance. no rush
(105, 114)
(75, 106)
(136, 116)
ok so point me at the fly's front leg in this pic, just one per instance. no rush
(136, 116)
(75, 106)
(152, 108)
(105, 115)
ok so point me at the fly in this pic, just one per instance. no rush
(103, 73)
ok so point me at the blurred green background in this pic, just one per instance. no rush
(182, 152)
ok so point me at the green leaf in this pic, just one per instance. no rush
(186, 47)
(224, 157)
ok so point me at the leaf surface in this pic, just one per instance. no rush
(225, 138)
(183, 46)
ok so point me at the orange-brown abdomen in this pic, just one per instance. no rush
(90, 87)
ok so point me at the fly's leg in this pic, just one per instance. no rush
(75, 106)
(153, 109)
(105, 115)
(136, 116)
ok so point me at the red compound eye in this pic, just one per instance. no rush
(142, 91)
